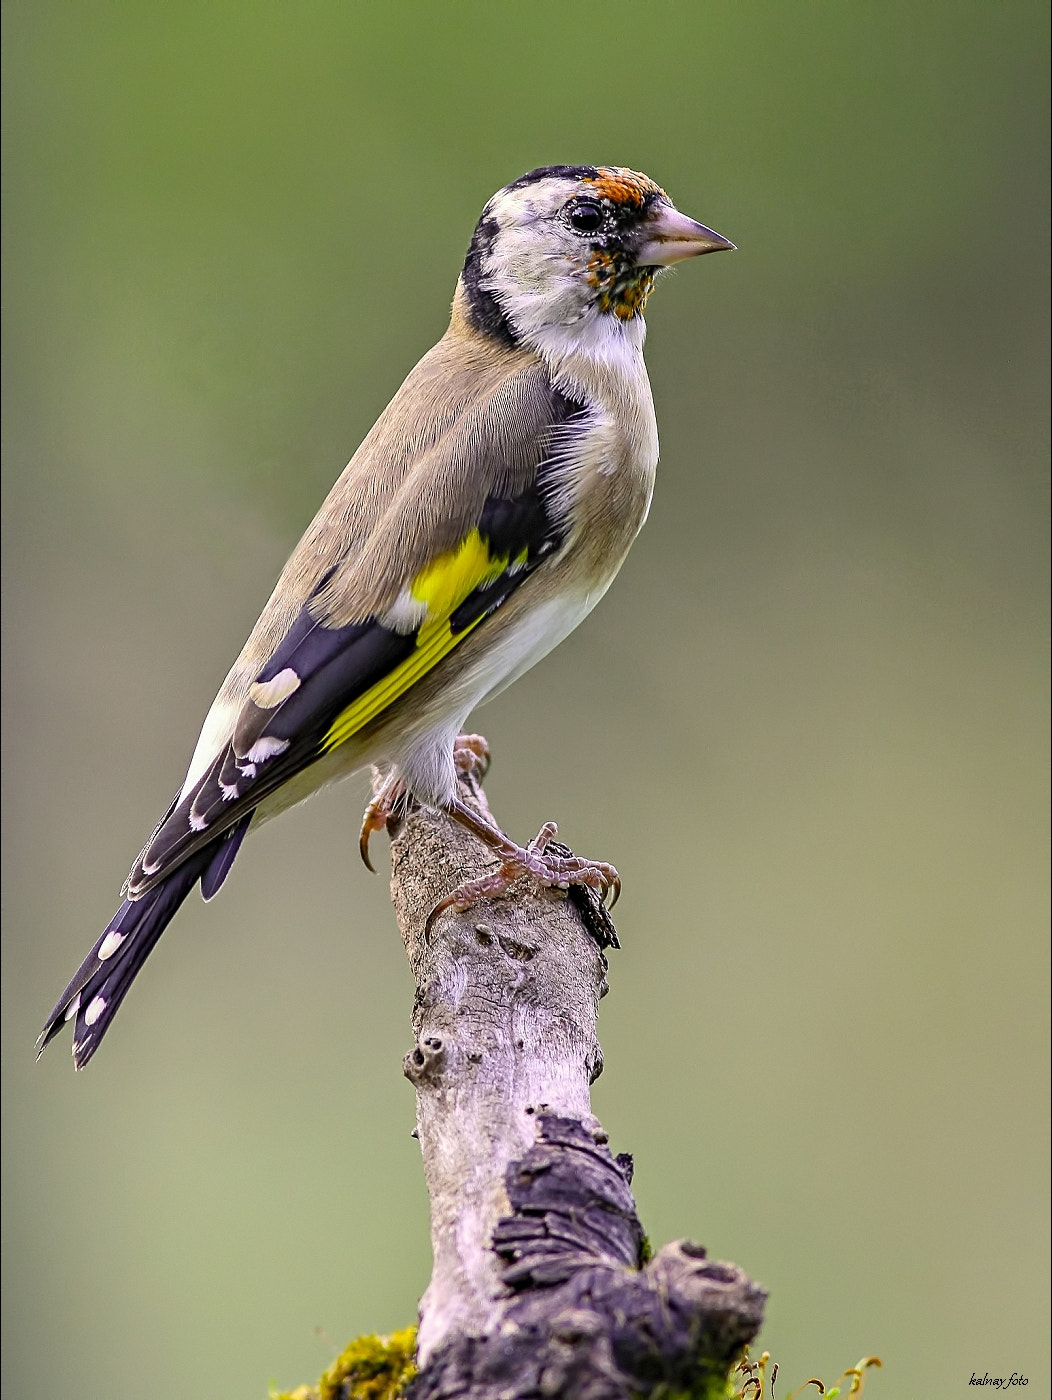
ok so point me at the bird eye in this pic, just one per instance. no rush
(585, 216)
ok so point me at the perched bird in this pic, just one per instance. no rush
(480, 521)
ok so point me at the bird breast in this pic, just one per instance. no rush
(606, 481)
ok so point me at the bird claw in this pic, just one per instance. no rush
(550, 871)
(556, 869)
(386, 804)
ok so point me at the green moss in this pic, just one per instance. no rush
(371, 1368)
(380, 1368)
(750, 1380)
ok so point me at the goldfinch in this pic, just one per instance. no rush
(482, 518)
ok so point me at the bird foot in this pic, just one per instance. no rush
(471, 758)
(548, 869)
(389, 802)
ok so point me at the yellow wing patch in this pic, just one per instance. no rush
(442, 585)
(446, 582)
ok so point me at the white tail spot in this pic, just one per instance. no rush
(72, 1008)
(110, 944)
(95, 1009)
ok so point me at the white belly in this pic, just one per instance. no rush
(426, 762)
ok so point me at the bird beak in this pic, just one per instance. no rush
(669, 236)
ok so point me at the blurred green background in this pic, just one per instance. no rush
(808, 723)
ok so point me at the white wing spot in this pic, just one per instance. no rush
(197, 822)
(95, 1009)
(228, 791)
(72, 1008)
(247, 770)
(110, 944)
(268, 695)
(405, 614)
(267, 747)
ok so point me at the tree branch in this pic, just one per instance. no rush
(540, 1285)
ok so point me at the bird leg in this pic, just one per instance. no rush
(471, 757)
(551, 871)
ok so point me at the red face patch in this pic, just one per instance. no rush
(621, 186)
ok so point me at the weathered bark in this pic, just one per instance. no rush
(539, 1285)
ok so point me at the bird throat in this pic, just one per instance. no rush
(620, 286)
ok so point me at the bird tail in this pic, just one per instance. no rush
(101, 983)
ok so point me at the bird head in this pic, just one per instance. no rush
(566, 256)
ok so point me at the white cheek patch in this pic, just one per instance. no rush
(268, 695)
